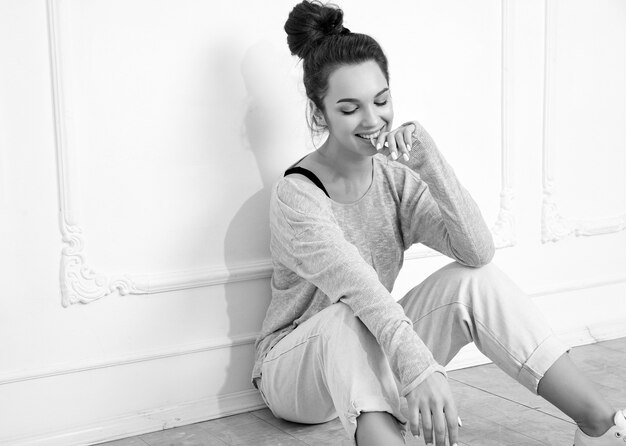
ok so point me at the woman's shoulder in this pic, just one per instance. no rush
(310, 170)
(300, 194)
(300, 186)
(308, 161)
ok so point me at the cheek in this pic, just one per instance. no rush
(346, 124)
(389, 112)
(388, 116)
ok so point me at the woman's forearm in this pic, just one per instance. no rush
(470, 240)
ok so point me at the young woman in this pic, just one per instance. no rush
(334, 342)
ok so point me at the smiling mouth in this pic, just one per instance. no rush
(370, 136)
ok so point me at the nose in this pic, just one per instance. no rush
(370, 117)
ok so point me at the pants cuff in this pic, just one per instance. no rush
(348, 419)
(544, 356)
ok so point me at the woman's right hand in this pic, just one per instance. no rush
(432, 408)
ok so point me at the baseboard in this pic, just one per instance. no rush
(217, 407)
(594, 333)
(146, 421)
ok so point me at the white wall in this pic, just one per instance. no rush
(138, 143)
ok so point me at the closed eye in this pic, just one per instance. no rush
(380, 104)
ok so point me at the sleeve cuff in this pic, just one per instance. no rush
(422, 376)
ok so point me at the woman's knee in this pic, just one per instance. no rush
(484, 272)
(483, 286)
(489, 275)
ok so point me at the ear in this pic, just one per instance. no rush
(319, 116)
(321, 119)
(316, 114)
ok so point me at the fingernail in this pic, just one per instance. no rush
(378, 146)
(386, 144)
(394, 155)
(405, 156)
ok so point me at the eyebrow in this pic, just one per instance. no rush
(356, 100)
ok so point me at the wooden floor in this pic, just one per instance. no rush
(495, 411)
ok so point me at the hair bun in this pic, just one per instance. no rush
(311, 21)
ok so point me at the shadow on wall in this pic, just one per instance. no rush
(269, 129)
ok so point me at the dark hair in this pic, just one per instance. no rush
(316, 34)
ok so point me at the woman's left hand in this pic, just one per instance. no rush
(397, 142)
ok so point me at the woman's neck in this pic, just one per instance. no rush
(345, 164)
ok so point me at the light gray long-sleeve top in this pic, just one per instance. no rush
(324, 251)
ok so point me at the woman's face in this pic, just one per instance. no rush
(357, 102)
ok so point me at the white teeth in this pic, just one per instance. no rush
(370, 136)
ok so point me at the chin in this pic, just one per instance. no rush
(366, 148)
(372, 151)
(367, 152)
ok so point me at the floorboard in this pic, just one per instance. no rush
(496, 411)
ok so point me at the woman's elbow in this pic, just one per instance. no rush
(485, 253)
(480, 256)
(486, 257)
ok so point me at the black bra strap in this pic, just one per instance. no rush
(307, 173)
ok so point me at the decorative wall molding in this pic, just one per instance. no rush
(150, 355)
(79, 283)
(554, 226)
(575, 285)
(504, 234)
(503, 230)
(249, 338)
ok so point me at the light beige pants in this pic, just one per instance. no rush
(332, 365)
